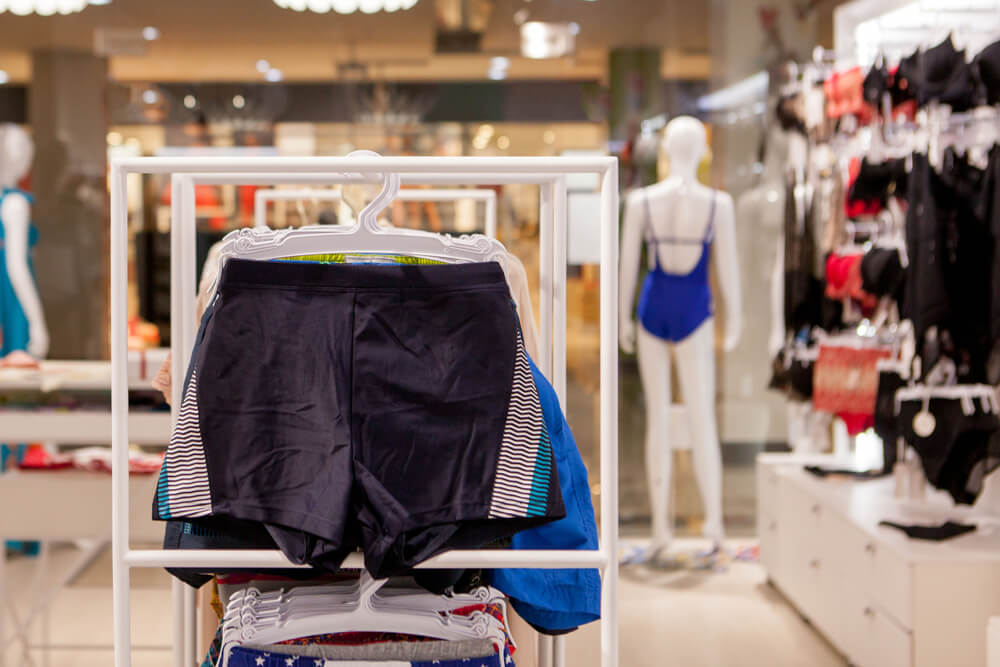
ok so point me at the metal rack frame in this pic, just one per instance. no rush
(549, 173)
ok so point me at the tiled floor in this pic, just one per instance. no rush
(690, 618)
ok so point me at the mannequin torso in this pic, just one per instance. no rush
(24, 325)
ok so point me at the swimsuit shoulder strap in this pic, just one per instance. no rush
(652, 243)
(710, 229)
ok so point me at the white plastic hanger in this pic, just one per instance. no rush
(364, 237)
(364, 616)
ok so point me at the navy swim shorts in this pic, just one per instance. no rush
(387, 408)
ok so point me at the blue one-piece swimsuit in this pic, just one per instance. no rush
(673, 305)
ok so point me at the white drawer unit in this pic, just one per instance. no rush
(882, 599)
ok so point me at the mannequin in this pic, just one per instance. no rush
(24, 326)
(684, 224)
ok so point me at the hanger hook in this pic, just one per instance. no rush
(390, 188)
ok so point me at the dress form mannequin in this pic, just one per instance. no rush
(16, 154)
(698, 220)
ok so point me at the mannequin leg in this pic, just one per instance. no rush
(695, 357)
(654, 371)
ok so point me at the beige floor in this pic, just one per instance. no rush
(666, 618)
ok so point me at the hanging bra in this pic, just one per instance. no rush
(673, 305)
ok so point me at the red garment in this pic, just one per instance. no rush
(856, 423)
(845, 380)
(843, 280)
(845, 95)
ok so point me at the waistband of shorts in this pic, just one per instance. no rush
(316, 276)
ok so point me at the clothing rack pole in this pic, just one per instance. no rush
(609, 413)
(488, 197)
(461, 170)
(559, 330)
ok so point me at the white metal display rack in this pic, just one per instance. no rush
(548, 173)
(488, 197)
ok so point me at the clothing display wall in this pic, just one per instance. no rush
(890, 266)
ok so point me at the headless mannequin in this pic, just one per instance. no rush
(17, 152)
(682, 207)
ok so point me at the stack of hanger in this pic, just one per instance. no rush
(262, 627)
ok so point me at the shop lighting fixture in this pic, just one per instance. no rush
(346, 6)
(975, 23)
(4, 77)
(42, 7)
(150, 33)
(190, 101)
(274, 74)
(746, 91)
(150, 96)
(239, 101)
(263, 66)
(540, 40)
(498, 68)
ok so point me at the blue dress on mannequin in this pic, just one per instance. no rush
(14, 336)
(13, 321)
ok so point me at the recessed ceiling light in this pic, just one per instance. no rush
(190, 101)
(273, 74)
(239, 101)
(263, 66)
(150, 96)
(150, 33)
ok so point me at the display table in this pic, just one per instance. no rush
(882, 599)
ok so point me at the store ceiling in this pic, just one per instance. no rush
(223, 39)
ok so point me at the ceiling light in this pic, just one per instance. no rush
(520, 16)
(4, 77)
(42, 7)
(273, 74)
(150, 96)
(503, 142)
(150, 33)
(190, 101)
(574, 28)
(100, 2)
(496, 74)
(345, 6)
(263, 66)
(546, 40)
(239, 101)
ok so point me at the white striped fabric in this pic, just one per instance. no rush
(522, 434)
(188, 493)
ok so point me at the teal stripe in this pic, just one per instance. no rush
(540, 481)
(162, 494)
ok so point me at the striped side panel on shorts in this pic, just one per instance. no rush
(521, 481)
(183, 489)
